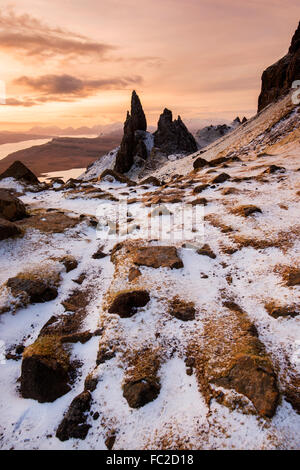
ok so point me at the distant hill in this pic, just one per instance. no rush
(7, 137)
(63, 153)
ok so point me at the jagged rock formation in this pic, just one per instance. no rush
(124, 159)
(132, 142)
(138, 116)
(173, 136)
(278, 78)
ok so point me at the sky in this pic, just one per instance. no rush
(75, 62)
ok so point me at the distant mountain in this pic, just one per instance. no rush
(70, 131)
(209, 134)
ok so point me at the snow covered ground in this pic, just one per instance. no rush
(252, 255)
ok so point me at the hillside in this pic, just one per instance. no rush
(182, 337)
(63, 153)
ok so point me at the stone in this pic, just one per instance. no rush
(277, 311)
(221, 178)
(181, 309)
(247, 210)
(142, 384)
(172, 137)
(157, 257)
(293, 278)
(109, 441)
(253, 377)
(37, 290)
(69, 262)
(200, 163)
(274, 169)
(126, 304)
(200, 188)
(202, 201)
(233, 357)
(278, 78)
(99, 254)
(11, 208)
(151, 180)
(141, 392)
(206, 251)
(133, 274)
(20, 172)
(45, 372)
(8, 229)
(74, 423)
(117, 177)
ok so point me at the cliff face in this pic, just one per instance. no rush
(278, 78)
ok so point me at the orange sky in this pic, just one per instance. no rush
(75, 62)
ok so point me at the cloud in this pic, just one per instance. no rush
(20, 102)
(28, 36)
(67, 88)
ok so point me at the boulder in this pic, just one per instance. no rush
(20, 172)
(142, 384)
(200, 163)
(277, 311)
(139, 393)
(278, 78)
(181, 309)
(45, 372)
(35, 289)
(253, 377)
(116, 176)
(126, 304)
(200, 188)
(158, 257)
(200, 201)
(221, 178)
(8, 229)
(11, 208)
(173, 137)
(74, 424)
(37, 284)
(151, 180)
(274, 169)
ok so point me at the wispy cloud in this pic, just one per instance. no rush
(27, 103)
(51, 88)
(28, 36)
